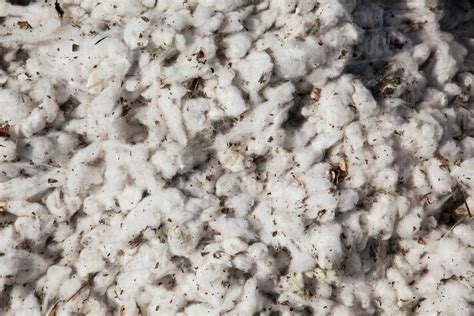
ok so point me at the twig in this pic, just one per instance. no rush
(103, 38)
(78, 291)
(464, 198)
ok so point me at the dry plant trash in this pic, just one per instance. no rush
(236, 157)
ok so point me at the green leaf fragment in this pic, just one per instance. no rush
(157, 52)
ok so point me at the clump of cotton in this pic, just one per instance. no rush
(235, 157)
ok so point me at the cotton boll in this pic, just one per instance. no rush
(290, 60)
(409, 225)
(68, 288)
(332, 110)
(237, 45)
(7, 150)
(93, 306)
(130, 197)
(55, 277)
(165, 161)
(38, 149)
(419, 177)
(386, 179)
(450, 150)
(34, 123)
(438, 176)
(194, 115)
(252, 69)
(205, 21)
(347, 200)
(145, 214)
(326, 239)
(384, 155)
(284, 6)
(232, 101)
(233, 160)
(244, 263)
(149, 3)
(463, 232)
(23, 302)
(28, 227)
(234, 245)
(363, 100)
(381, 217)
(163, 36)
(232, 227)
(354, 134)
(465, 172)
(182, 239)
(387, 296)
(223, 5)
(15, 108)
(90, 261)
(257, 250)
(240, 203)
(450, 296)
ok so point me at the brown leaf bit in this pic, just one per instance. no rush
(316, 94)
(262, 78)
(343, 164)
(421, 241)
(195, 88)
(339, 173)
(4, 130)
(387, 91)
(343, 54)
(24, 25)
(404, 251)
(268, 50)
(215, 232)
(201, 58)
(421, 197)
(75, 47)
(144, 18)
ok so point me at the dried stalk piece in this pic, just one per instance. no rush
(52, 310)
(449, 210)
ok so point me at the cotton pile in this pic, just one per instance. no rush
(236, 157)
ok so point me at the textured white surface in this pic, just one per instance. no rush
(236, 157)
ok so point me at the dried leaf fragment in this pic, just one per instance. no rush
(24, 25)
(4, 130)
(316, 94)
(343, 164)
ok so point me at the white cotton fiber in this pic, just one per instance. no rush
(255, 70)
(14, 107)
(381, 216)
(232, 157)
(8, 151)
